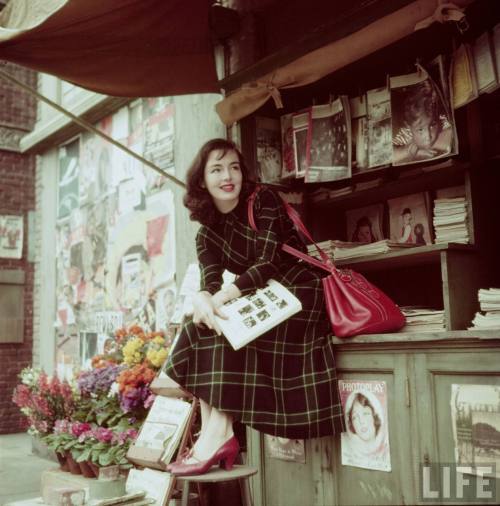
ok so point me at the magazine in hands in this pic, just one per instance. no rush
(252, 315)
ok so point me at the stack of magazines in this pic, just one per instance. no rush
(489, 303)
(421, 319)
(450, 220)
(327, 246)
(354, 250)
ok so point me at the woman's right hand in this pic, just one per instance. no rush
(204, 311)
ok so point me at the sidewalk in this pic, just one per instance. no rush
(20, 469)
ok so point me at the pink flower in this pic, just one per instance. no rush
(149, 401)
(103, 435)
(79, 428)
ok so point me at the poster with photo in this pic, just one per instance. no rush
(422, 128)
(158, 121)
(365, 224)
(288, 168)
(359, 132)
(378, 110)
(268, 138)
(365, 443)
(68, 180)
(330, 145)
(11, 236)
(410, 219)
(301, 124)
(475, 415)
(281, 448)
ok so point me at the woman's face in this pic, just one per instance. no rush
(363, 422)
(364, 234)
(223, 179)
(407, 218)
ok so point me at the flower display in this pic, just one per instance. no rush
(98, 381)
(43, 400)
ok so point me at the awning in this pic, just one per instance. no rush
(129, 48)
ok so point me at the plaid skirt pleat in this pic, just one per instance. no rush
(284, 383)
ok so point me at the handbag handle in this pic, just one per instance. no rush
(326, 264)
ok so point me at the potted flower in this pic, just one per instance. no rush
(58, 440)
(43, 400)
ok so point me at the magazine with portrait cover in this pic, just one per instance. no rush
(410, 219)
(365, 443)
(330, 146)
(252, 315)
(378, 108)
(422, 127)
(364, 224)
(268, 135)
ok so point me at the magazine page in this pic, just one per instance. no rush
(330, 147)
(268, 137)
(475, 416)
(365, 443)
(422, 129)
(252, 315)
(156, 484)
(463, 82)
(301, 124)
(281, 448)
(359, 133)
(409, 219)
(379, 127)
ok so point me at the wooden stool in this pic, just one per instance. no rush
(240, 473)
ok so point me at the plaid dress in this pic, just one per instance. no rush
(283, 383)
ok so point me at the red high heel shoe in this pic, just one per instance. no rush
(225, 455)
(188, 452)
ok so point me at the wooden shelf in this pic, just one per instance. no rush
(414, 180)
(453, 338)
(403, 258)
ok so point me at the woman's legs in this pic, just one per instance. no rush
(216, 429)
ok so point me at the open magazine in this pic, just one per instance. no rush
(252, 315)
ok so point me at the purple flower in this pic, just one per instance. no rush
(98, 380)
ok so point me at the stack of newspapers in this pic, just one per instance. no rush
(489, 303)
(354, 250)
(422, 319)
(450, 220)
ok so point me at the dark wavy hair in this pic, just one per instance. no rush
(365, 402)
(197, 199)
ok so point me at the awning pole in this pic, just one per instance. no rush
(89, 127)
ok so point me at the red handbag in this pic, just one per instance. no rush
(354, 305)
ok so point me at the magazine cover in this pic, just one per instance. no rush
(475, 415)
(365, 443)
(157, 484)
(254, 314)
(268, 149)
(330, 147)
(301, 124)
(281, 448)
(288, 168)
(410, 219)
(365, 224)
(379, 127)
(422, 128)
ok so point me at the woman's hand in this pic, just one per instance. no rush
(205, 307)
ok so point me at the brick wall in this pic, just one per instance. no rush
(17, 196)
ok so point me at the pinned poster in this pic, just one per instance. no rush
(11, 236)
(365, 443)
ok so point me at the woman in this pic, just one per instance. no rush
(283, 383)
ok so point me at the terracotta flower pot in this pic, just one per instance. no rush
(94, 467)
(63, 463)
(74, 468)
(87, 470)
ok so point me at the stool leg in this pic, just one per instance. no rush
(185, 493)
(246, 496)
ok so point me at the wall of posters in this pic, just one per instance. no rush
(115, 230)
(366, 441)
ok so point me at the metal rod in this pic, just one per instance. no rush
(89, 127)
